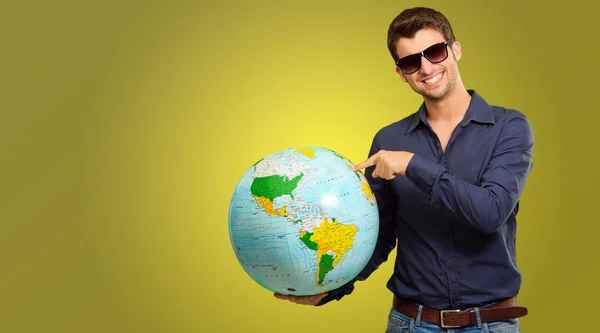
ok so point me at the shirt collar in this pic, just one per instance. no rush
(479, 110)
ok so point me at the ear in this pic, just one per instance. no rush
(401, 73)
(457, 50)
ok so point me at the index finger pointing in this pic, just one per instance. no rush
(365, 164)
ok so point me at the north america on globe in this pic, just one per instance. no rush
(297, 215)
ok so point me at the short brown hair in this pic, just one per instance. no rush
(411, 20)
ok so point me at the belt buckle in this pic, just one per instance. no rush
(442, 324)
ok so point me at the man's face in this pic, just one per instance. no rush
(432, 81)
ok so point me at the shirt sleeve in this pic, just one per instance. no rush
(386, 241)
(485, 206)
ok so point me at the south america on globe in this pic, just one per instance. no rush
(301, 222)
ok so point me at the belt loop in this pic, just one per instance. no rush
(418, 319)
(478, 317)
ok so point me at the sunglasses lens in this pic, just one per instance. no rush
(436, 53)
(410, 64)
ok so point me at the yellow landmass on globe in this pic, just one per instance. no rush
(367, 189)
(306, 151)
(335, 237)
(267, 205)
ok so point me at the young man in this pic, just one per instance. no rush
(448, 180)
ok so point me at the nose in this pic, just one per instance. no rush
(426, 67)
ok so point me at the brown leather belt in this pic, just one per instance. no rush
(504, 310)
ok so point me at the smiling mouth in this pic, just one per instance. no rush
(434, 79)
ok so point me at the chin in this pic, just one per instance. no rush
(438, 94)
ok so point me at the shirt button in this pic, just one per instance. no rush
(451, 268)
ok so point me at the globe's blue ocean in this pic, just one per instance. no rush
(302, 222)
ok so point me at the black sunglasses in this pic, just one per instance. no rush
(436, 53)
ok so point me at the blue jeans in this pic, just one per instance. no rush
(400, 323)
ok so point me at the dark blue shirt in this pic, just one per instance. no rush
(453, 214)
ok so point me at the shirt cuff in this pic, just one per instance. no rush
(424, 173)
(337, 294)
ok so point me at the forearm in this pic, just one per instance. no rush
(484, 206)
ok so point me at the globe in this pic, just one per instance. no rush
(301, 222)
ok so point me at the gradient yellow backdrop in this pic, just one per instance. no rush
(126, 125)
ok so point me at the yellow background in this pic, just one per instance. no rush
(126, 125)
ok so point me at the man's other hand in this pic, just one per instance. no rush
(304, 300)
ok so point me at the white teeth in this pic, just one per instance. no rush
(434, 79)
